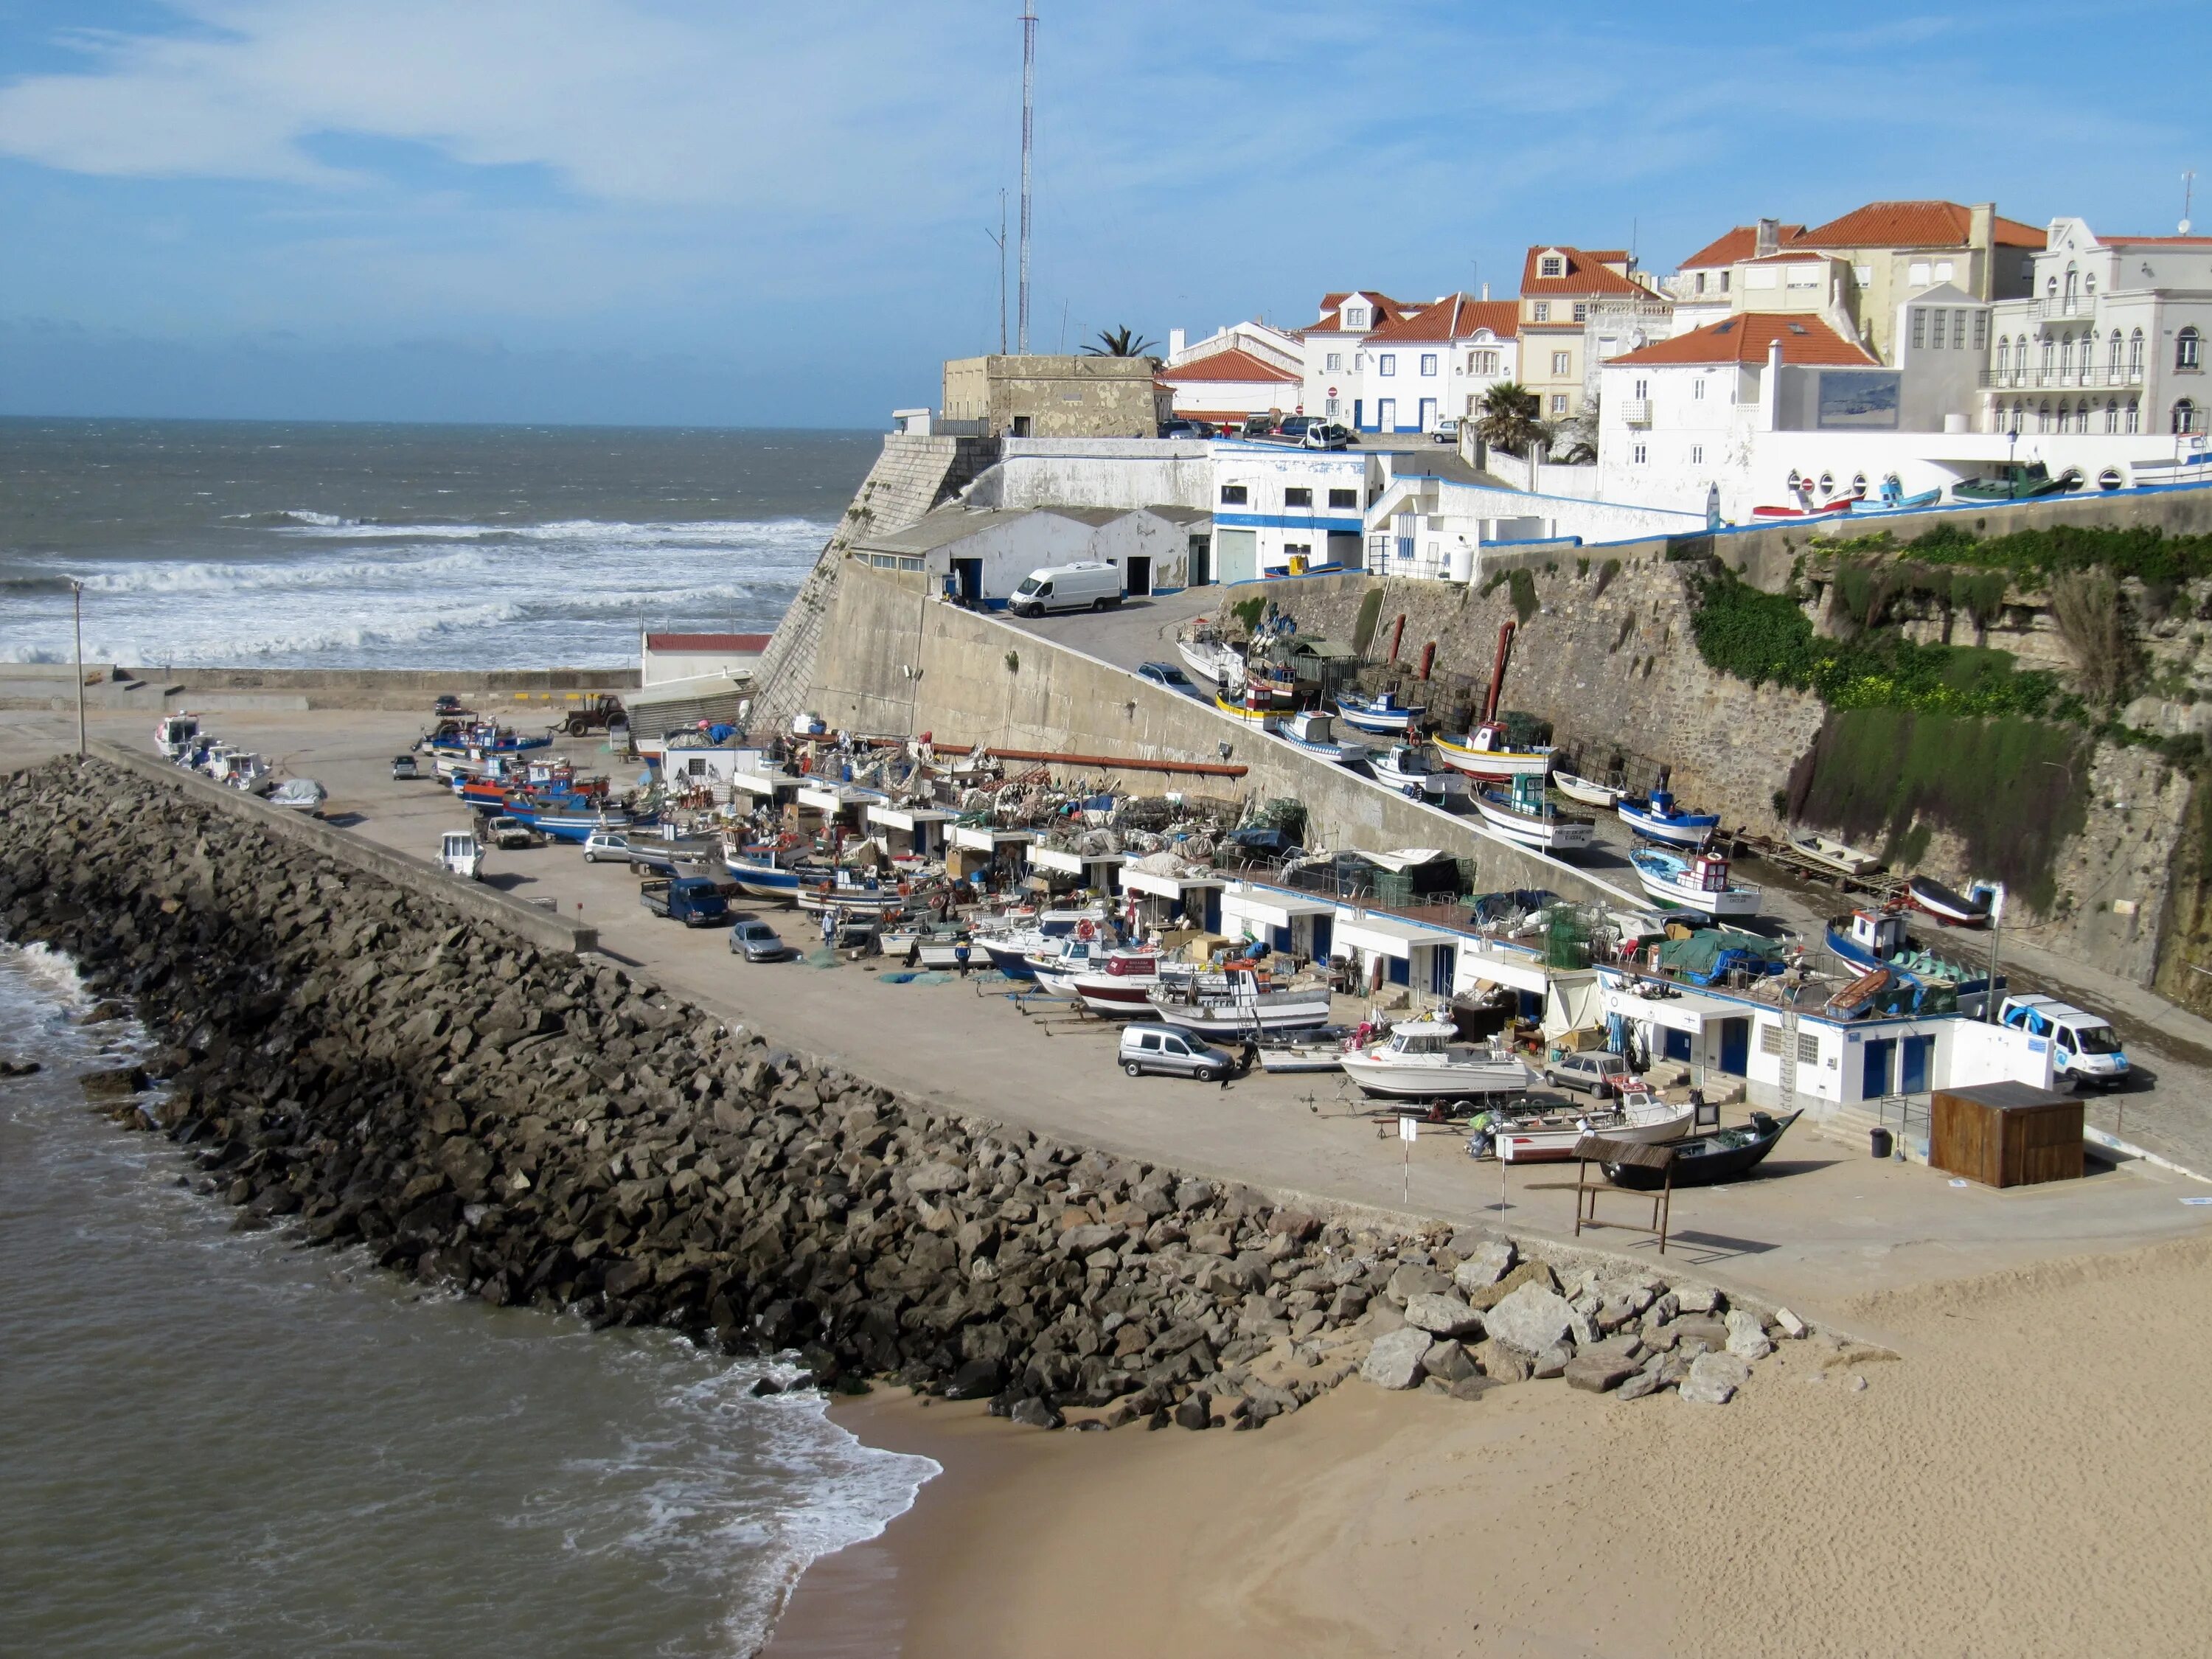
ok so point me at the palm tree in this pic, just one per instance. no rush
(1508, 419)
(1120, 342)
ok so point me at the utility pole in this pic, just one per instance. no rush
(1028, 136)
(76, 602)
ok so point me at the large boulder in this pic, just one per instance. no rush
(1714, 1378)
(1597, 1373)
(1394, 1360)
(936, 1177)
(117, 1083)
(1747, 1337)
(1442, 1316)
(1412, 1280)
(1488, 1263)
(1531, 1319)
(1448, 1363)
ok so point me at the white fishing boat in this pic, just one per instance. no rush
(1296, 1058)
(1659, 818)
(1587, 791)
(1412, 769)
(1217, 664)
(1239, 1003)
(1117, 984)
(1425, 1059)
(174, 735)
(1527, 817)
(1487, 753)
(1311, 730)
(1698, 882)
(1550, 1137)
(1831, 855)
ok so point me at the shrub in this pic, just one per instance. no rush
(1524, 589)
(2087, 608)
(1606, 573)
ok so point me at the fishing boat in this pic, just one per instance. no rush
(456, 737)
(1878, 941)
(1010, 950)
(1967, 910)
(2016, 481)
(1831, 855)
(1312, 732)
(1826, 509)
(856, 896)
(175, 735)
(1892, 499)
(1487, 754)
(1305, 1053)
(1213, 659)
(1250, 708)
(932, 945)
(1412, 769)
(1425, 1059)
(1239, 1002)
(1699, 883)
(1526, 815)
(300, 795)
(1702, 1160)
(573, 818)
(1551, 1137)
(1383, 716)
(1657, 818)
(1587, 791)
(769, 869)
(1116, 984)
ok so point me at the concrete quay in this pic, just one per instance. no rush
(1837, 1223)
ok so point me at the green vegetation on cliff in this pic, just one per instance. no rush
(2146, 554)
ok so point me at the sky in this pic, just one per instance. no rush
(716, 212)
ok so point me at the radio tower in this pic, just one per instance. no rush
(1029, 129)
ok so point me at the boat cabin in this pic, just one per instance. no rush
(1880, 934)
(1709, 873)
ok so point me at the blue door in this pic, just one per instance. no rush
(1918, 1056)
(1879, 1055)
(1735, 1047)
(1358, 413)
(1401, 971)
(1210, 908)
(1442, 960)
(1675, 1045)
(1323, 928)
(1280, 938)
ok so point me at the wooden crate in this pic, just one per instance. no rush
(2005, 1135)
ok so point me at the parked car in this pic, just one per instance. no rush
(1292, 428)
(1148, 1048)
(603, 846)
(1595, 1073)
(2085, 1050)
(756, 941)
(404, 769)
(1167, 674)
(512, 834)
(695, 900)
(447, 704)
(1092, 585)
(1447, 430)
(1181, 428)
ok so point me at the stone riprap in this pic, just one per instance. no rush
(354, 1061)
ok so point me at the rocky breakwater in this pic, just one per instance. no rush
(350, 1060)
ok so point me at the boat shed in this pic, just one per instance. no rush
(1297, 924)
(765, 786)
(684, 705)
(1167, 900)
(1097, 871)
(915, 829)
(978, 847)
(1391, 951)
(979, 555)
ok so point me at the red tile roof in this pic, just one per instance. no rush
(1387, 310)
(1235, 364)
(1586, 273)
(2156, 241)
(1456, 317)
(1916, 224)
(1742, 243)
(1745, 338)
(751, 643)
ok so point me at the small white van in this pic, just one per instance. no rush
(1090, 586)
(2085, 1050)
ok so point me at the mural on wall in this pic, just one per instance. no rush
(1859, 399)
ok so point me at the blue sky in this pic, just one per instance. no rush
(712, 211)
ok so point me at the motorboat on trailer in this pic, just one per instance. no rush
(1969, 909)
(1412, 769)
(1237, 1002)
(1215, 661)
(1525, 815)
(1313, 732)
(1487, 754)
(1425, 1060)
(1551, 1137)
(1383, 715)
(1587, 791)
(1829, 854)
(1657, 818)
(1116, 984)
(1699, 883)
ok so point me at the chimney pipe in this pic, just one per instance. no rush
(1175, 344)
(1485, 292)
(1769, 239)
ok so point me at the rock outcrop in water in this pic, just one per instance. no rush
(346, 1057)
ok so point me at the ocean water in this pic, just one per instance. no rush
(276, 545)
(221, 1444)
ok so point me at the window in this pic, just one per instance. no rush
(1551, 265)
(2135, 416)
(2113, 362)
(1935, 329)
(1428, 362)
(1482, 362)
(1355, 316)
(2027, 268)
(2004, 357)
(2090, 285)
(1638, 454)
(1332, 408)
(2134, 357)
(1643, 388)
(1298, 498)
(1343, 498)
(1543, 311)
(1558, 403)
(2188, 348)
(1582, 311)
(1725, 281)
(1801, 277)
(1701, 282)
(1862, 275)
(1233, 495)
(1698, 391)
(2112, 414)
(1333, 363)
(1386, 363)
(1697, 455)
(1943, 271)
(1919, 328)
(2043, 416)
(1562, 363)
(2048, 347)
(2185, 416)
(2066, 355)
(1918, 274)
(1959, 331)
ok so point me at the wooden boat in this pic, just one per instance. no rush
(1237, 1003)
(1699, 884)
(1938, 901)
(1892, 499)
(1826, 509)
(855, 895)
(1384, 716)
(1487, 754)
(1412, 770)
(1298, 1058)
(1550, 1138)
(1702, 1160)
(1528, 818)
(1116, 984)
(1587, 791)
(1311, 730)
(1245, 709)
(1877, 941)
(1425, 1059)
(2016, 481)
(1658, 819)
(1831, 855)
(769, 870)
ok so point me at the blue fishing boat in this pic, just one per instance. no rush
(769, 870)
(1699, 883)
(1384, 716)
(1871, 939)
(1658, 819)
(572, 817)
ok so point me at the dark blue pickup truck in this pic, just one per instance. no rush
(695, 900)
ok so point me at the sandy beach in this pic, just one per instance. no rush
(2026, 1478)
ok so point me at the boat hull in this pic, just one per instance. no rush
(1833, 856)
(1705, 1160)
(1238, 712)
(1381, 1080)
(1584, 792)
(1676, 829)
(1684, 895)
(1940, 901)
(1546, 835)
(1380, 721)
(1241, 1019)
(1213, 667)
(1500, 766)
(1554, 1139)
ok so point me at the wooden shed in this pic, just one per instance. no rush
(2005, 1135)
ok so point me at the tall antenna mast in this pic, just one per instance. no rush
(2188, 197)
(1029, 133)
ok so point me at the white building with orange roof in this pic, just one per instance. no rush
(1334, 353)
(1437, 362)
(1246, 369)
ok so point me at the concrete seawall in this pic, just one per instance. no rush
(517, 695)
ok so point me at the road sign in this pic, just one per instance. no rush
(1409, 1129)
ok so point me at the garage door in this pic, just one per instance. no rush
(1237, 556)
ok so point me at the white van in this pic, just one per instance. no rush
(1090, 586)
(462, 853)
(2084, 1048)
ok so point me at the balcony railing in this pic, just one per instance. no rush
(2014, 379)
(2067, 305)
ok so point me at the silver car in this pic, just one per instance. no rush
(1147, 1048)
(756, 941)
